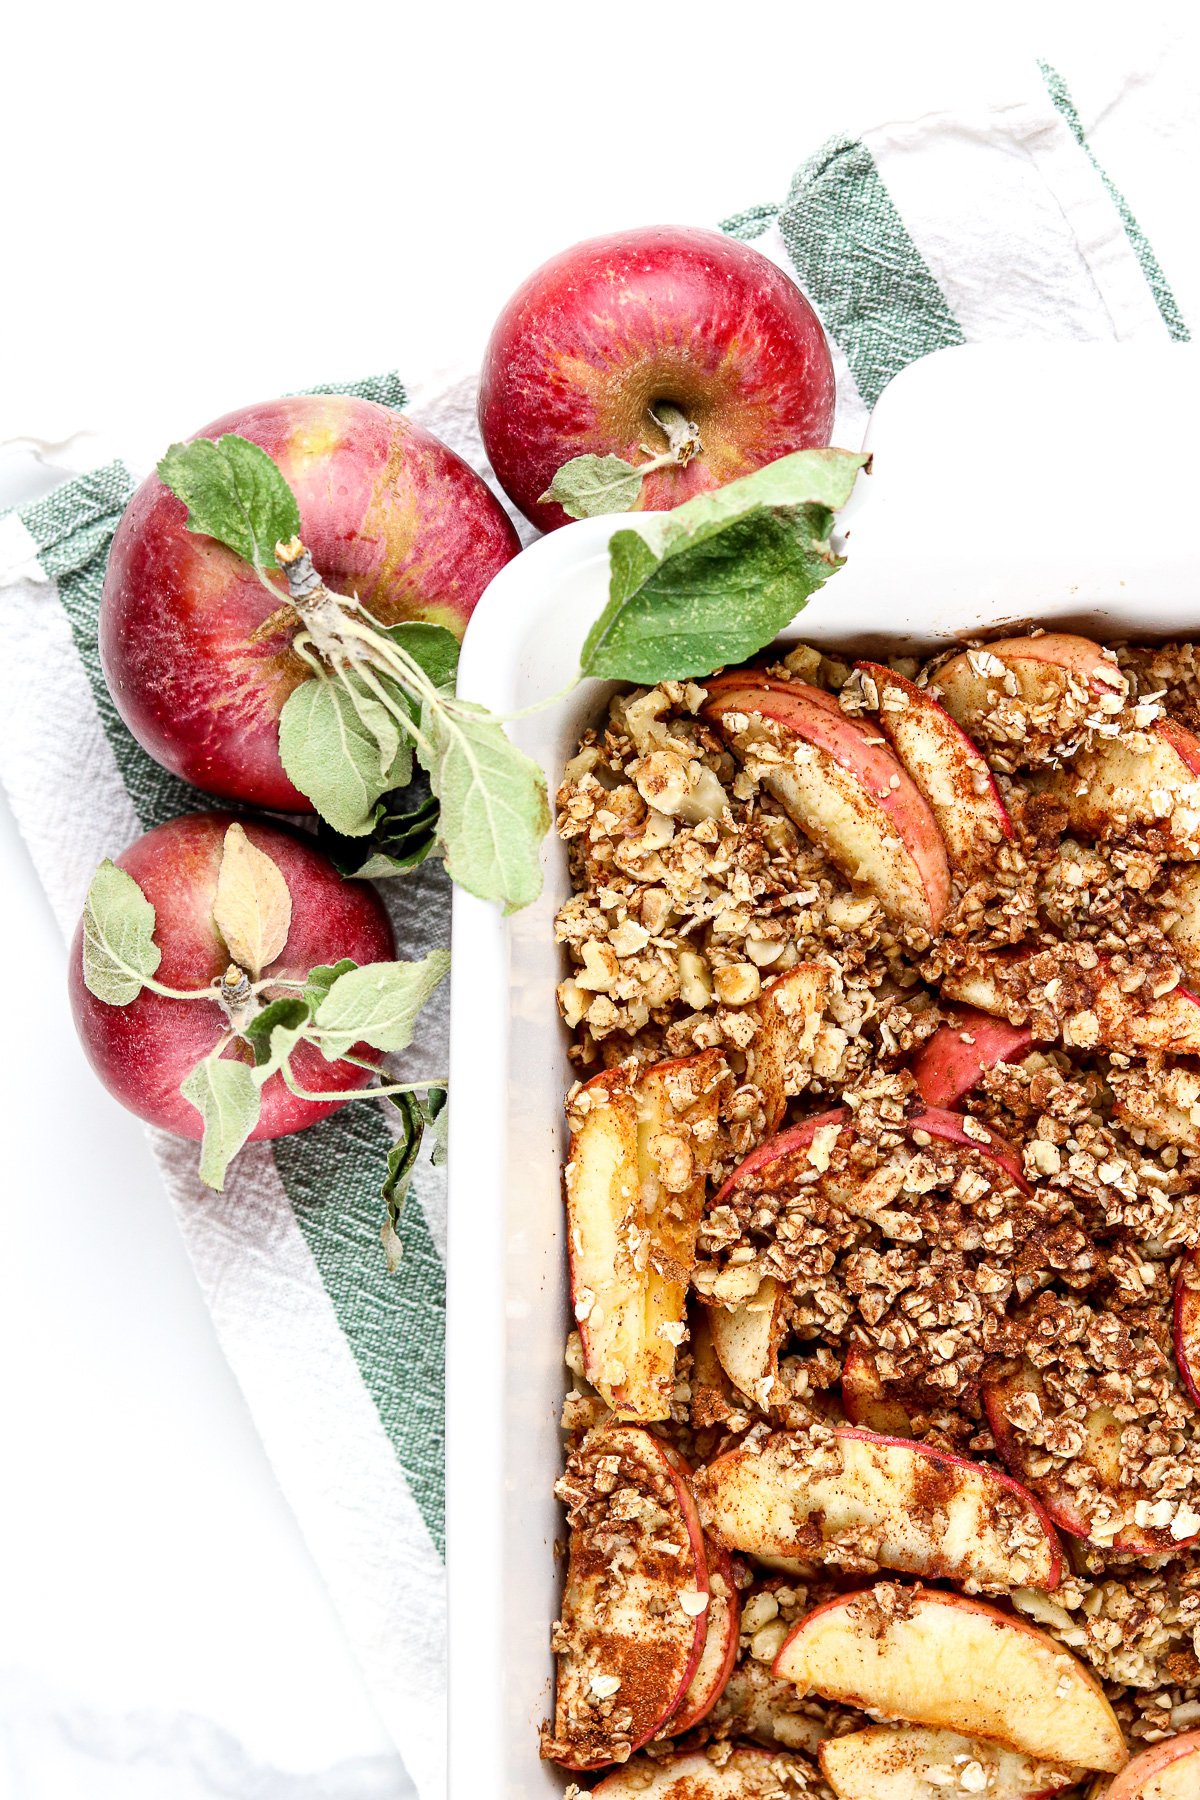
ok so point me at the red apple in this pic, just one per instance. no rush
(953, 1061)
(604, 331)
(1167, 1771)
(142, 1051)
(720, 1644)
(197, 664)
(797, 1137)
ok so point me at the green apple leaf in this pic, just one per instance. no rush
(225, 1093)
(432, 646)
(234, 493)
(716, 579)
(415, 1115)
(322, 978)
(589, 485)
(404, 834)
(377, 1004)
(335, 759)
(494, 810)
(274, 1033)
(119, 952)
(438, 1116)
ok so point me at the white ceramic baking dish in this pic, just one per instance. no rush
(1011, 482)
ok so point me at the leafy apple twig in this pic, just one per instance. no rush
(709, 583)
(377, 692)
(590, 485)
(268, 1016)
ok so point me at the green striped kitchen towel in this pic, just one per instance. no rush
(987, 221)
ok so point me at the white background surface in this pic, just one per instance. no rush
(204, 206)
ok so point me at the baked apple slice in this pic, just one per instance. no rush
(954, 1060)
(1187, 1323)
(1015, 1404)
(780, 1052)
(844, 789)
(934, 1658)
(913, 1762)
(903, 1504)
(1168, 1771)
(640, 1148)
(744, 1774)
(1106, 1017)
(634, 1612)
(1028, 700)
(865, 1400)
(947, 767)
(963, 1133)
(720, 1650)
(746, 1338)
(1148, 779)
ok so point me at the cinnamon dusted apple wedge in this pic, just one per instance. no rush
(939, 1659)
(865, 1399)
(1116, 1515)
(844, 789)
(896, 1503)
(746, 1338)
(1029, 700)
(1169, 1771)
(1084, 1005)
(955, 1059)
(640, 1147)
(1143, 780)
(744, 1774)
(912, 1762)
(720, 1644)
(779, 1055)
(634, 1613)
(1187, 1323)
(943, 762)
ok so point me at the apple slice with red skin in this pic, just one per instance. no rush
(864, 1398)
(1167, 1771)
(846, 791)
(642, 1628)
(1102, 1452)
(911, 1762)
(720, 1650)
(634, 1182)
(745, 1773)
(1152, 782)
(1187, 1323)
(965, 1133)
(924, 1511)
(1171, 1023)
(947, 767)
(935, 1658)
(1058, 670)
(746, 1338)
(955, 1059)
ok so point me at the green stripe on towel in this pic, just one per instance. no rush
(870, 283)
(1157, 282)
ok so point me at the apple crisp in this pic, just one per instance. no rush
(883, 1210)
